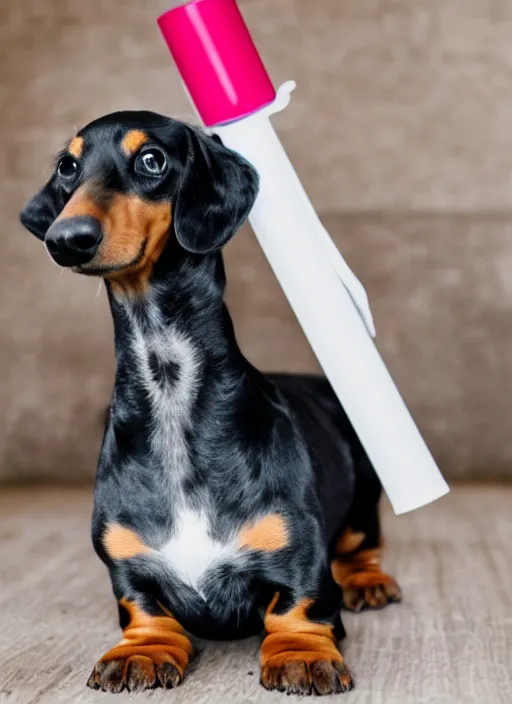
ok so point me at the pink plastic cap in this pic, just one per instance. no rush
(217, 60)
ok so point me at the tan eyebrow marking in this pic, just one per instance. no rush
(76, 147)
(133, 141)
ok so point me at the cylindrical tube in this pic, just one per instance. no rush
(284, 225)
(229, 87)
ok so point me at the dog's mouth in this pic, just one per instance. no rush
(109, 269)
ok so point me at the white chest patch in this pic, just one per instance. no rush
(191, 552)
(171, 401)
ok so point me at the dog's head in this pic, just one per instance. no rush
(128, 182)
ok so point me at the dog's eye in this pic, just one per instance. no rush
(152, 162)
(68, 168)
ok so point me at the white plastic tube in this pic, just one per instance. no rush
(332, 308)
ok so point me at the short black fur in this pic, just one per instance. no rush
(248, 445)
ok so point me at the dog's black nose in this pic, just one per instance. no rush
(74, 241)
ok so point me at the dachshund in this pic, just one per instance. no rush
(227, 502)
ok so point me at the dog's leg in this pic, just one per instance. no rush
(154, 652)
(359, 574)
(356, 557)
(299, 654)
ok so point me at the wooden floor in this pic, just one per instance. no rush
(449, 642)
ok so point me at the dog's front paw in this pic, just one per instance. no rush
(301, 677)
(136, 673)
(370, 591)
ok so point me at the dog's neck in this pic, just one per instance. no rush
(185, 296)
(177, 356)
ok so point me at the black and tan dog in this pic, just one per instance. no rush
(227, 502)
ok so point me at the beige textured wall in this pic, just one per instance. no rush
(401, 132)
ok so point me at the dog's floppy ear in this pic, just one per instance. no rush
(216, 193)
(40, 212)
